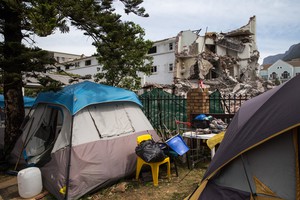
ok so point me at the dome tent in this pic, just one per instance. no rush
(259, 155)
(28, 101)
(83, 137)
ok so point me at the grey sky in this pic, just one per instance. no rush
(278, 24)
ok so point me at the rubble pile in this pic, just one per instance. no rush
(212, 125)
(230, 86)
(224, 61)
(227, 85)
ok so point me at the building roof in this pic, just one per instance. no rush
(33, 82)
(163, 40)
(265, 66)
(294, 63)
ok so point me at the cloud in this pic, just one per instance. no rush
(278, 25)
(73, 42)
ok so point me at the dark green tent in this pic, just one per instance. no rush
(215, 103)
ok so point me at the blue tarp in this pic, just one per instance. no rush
(77, 96)
(28, 101)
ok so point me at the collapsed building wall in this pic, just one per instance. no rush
(224, 61)
(217, 54)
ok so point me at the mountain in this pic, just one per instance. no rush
(292, 53)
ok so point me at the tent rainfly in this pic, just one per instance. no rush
(28, 101)
(259, 155)
(83, 137)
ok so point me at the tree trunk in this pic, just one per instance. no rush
(14, 109)
(12, 77)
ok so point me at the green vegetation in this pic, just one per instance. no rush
(21, 20)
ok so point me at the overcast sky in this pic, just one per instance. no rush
(278, 23)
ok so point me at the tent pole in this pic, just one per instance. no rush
(296, 138)
(69, 161)
(23, 145)
(100, 136)
(247, 177)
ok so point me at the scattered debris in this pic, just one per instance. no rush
(121, 187)
(227, 85)
(210, 125)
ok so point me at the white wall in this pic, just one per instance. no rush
(64, 57)
(161, 59)
(80, 66)
(296, 71)
(264, 74)
(186, 39)
(84, 70)
(279, 67)
(163, 75)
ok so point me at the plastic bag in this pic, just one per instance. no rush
(150, 151)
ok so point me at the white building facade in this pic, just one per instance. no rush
(162, 70)
(163, 53)
(61, 57)
(83, 66)
(280, 70)
(191, 56)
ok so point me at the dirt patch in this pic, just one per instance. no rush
(176, 188)
(173, 189)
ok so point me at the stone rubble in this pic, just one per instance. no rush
(227, 85)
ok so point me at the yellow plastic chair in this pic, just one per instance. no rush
(154, 166)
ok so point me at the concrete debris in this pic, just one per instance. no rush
(210, 56)
(213, 126)
(227, 85)
(231, 43)
(204, 69)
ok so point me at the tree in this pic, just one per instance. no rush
(123, 54)
(20, 20)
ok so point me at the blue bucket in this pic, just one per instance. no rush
(177, 144)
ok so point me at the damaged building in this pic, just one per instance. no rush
(215, 54)
(224, 61)
(219, 60)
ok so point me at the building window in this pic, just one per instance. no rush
(171, 46)
(273, 75)
(285, 75)
(152, 50)
(88, 62)
(211, 47)
(154, 69)
(171, 67)
(67, 67)
(76, 64)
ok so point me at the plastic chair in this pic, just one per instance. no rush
(154, 166)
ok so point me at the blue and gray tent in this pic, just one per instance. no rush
(83, 137)
(28, 101)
